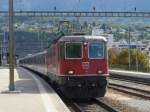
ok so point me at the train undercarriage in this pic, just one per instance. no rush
(82, 86)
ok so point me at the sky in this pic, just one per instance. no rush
(75, 5)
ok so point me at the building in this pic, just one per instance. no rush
(133, 45)
(110, 37)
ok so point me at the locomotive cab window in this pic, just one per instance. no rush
(96, 50)
(73, 50)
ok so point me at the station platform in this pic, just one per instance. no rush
(35, 94)
(130, 73)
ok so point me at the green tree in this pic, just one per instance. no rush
(139, 59)
(112, 54)
(123, 57)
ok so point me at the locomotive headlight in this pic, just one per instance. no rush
(71, 72)
(99, 72)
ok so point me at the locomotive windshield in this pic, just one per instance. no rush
(96, 50)
(73, 50)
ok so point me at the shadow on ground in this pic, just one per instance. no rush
(27, 84)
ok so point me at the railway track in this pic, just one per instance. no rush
(93, 105)
(129, 89)
(131, 80)
(139, 80)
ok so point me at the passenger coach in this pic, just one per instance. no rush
(78, 65)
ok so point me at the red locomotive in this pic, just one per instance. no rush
(78, 65)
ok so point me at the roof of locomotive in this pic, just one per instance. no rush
(82, 38)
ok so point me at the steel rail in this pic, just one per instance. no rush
(77, 108)
(135, 79)
(129, 90)
(106, 106)
(93, 102)
(130, 80)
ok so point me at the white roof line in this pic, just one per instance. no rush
(83, 37)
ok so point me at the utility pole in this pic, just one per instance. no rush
(129, 48)
(137, 66)
(11, 47)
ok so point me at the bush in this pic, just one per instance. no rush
(120, 59)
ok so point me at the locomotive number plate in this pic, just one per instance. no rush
(85, 65)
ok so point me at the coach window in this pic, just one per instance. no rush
(96, 50)
(73, 50)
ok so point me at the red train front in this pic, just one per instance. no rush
(78, 65)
